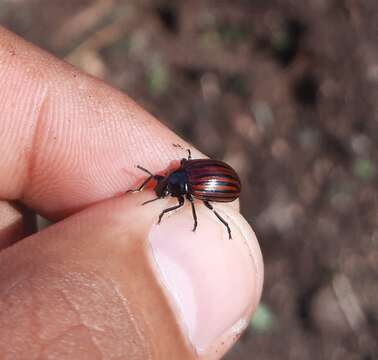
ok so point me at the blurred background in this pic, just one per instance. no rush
(285, 91)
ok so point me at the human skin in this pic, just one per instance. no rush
(105, 281)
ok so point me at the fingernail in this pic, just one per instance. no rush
(210, 280)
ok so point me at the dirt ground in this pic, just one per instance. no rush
(286, 92)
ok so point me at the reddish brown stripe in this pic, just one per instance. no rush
(217, 193)
(199, 167)
(212, 180)
(206, 162)
(218, 176)
(214, 185)
(218, 197)
(208, 197)
(210, 168)
(214, 172)
(218, 182)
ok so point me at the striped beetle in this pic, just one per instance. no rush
(203, 179)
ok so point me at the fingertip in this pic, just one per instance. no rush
(212, 283)
(187, 292)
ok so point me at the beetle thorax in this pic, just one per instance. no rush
(174, 184)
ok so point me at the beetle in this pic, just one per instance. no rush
(203, 179)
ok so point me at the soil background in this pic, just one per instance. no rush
(285, 91)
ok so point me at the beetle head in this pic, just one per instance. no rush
(162, 188)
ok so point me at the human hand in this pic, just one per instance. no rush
(105, 281)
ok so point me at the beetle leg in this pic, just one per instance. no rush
(152, 176)
(181, 203)
(149, 201)
(193, 212)
(219, 217)
(140, 188)
(188, 150)
(145, 170)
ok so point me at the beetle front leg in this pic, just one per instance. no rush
(181, 203)
(152, 200)
(140, 188)
(152, 176)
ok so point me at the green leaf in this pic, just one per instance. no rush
(364, 169)
(263, 320)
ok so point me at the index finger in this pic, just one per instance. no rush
(68, 140)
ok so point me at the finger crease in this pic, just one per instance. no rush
(32, 148)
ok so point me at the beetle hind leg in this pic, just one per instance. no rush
(224, 222)
(193, 213)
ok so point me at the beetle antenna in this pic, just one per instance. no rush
(145, 170)
(180, 147)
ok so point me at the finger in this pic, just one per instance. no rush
(16, 222)
(108, 282)
(68, 140)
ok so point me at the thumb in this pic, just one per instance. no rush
(110, 283)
